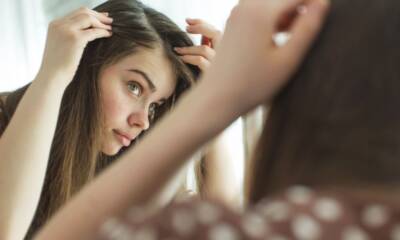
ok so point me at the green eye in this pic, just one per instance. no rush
(135, 88)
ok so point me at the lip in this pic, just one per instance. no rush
(124, 138)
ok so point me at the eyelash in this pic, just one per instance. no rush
(135, 84)
(153, 106)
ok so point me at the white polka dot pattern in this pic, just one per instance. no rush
(305, 228)
(354, 233)
(395, 233)
(254, 225)
(207, 213)
(327, 209)
(275, 211)
(223, 231)
(114, 229)
(299, 195)
(183, 221)
(298, 214)
(375, 216)
(278, 237)
(147, 233)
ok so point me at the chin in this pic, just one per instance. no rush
(110, 150)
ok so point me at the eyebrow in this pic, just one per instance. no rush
(148, 81)
(146, 77)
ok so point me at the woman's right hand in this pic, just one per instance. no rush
(249, 66)
(67, 37)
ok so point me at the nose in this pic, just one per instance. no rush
(139, 119)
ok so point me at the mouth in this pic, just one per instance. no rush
(123, 138)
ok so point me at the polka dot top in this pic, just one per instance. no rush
(298, 213)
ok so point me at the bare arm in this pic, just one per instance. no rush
(26, 142)
(219, 179)
(142, 171)
(24, 150)
(222, 179)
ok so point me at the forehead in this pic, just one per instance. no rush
(155, 64)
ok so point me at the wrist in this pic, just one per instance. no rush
(212, 107)
(225, 100)
(54, 80)
(51, 85)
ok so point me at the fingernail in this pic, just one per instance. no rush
(177, 49)
(302, 9)
(105, 13)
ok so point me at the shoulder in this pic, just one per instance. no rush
(3, 115)
(3, 97)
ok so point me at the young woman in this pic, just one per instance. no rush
(106, 75)
(249, 70)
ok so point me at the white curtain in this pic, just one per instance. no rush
(24, 27)
(21, 43)
(214, 12)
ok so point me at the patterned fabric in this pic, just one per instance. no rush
(299, 213)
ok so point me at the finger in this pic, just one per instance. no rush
(95, 33)
(192, 21)
(85, 21)
(207, 30)
(287, 19)
(284, 8)
(204, 29)
(204, 51)
(199, 61)
(101, 16)
(306, 27)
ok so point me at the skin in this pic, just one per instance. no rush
(128, 98)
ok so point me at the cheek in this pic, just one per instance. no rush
(114, 109)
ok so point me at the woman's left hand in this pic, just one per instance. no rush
(202, 55)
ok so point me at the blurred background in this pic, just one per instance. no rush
(24, 27)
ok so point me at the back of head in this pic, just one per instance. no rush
(337, 123)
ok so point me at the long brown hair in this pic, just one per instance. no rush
(337, 123)
(75, 155)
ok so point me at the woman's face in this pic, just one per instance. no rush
(130, 89)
